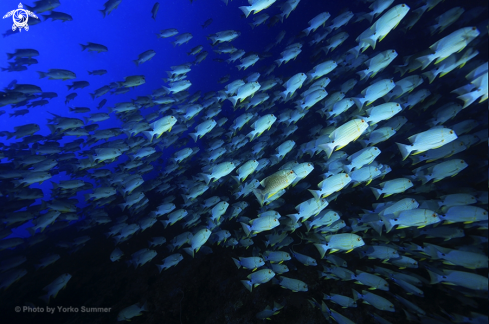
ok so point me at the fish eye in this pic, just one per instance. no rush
(395, 219)
(363, 121)
(473, 28)
(358, 239)
(451, 132)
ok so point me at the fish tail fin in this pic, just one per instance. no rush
(294, 217)
(425, 179)
(363, 74)
(236, 178)
(194, 136)
(322, 248)
(468, 99)
(190, 251)
(246, 228)
(376, 192)
(315, 193)
(356, 295)
(430, 75)
(207, 178)
(307, 30)
(328, 148)
(247, 284)
(387, 222)
(84, 47)
(370, 41)
(136, 62)
(236, 262)
(233, 100)
(246, 10)
(405, 150)
(377, 226)
(103, 12)
(41, 74)
(425, 60)
(359, 102)
(165, 223)
(149, 135)
(435, 278)
(259, 195)
(251, 135)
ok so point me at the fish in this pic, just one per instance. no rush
(430, 139)
(131, 311)
(56, 15)
(256, 7)
(144, 57)
(207, 23)
(57, 74)
(257, 278)
(154, 10)
(93, 47)
(53, 288)
(110, 5)
(273, 183)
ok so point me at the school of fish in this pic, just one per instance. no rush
(276, 165)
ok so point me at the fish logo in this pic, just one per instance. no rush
(20, 17)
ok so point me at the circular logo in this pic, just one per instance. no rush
(20, 18)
